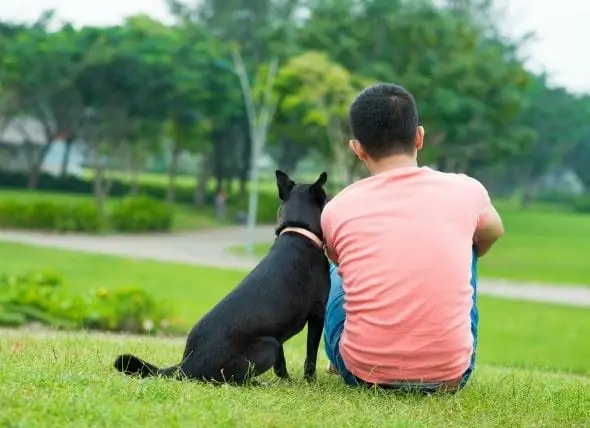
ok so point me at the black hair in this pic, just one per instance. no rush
(384, 119)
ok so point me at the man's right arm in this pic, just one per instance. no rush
(489, 225)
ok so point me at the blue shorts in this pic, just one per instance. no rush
(334, 325)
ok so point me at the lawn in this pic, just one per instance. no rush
(186, 217)
(533, 365)
(67, 380)
(544, 244)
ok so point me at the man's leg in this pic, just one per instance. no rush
(474, 315)
(334, 326)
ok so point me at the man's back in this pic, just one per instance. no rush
(403, 242)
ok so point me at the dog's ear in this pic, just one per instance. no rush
(317, 189)
(284, 184)
(321, 181)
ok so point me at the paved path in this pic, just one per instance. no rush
(210, 248)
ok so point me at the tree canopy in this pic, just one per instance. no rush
(143, 87)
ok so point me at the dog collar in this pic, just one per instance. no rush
(312, 236)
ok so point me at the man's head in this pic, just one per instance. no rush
(384, 122)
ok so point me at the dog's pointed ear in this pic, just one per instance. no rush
(321, 181)
(284, 184)
(317, 189)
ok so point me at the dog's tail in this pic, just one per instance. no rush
(132, 365)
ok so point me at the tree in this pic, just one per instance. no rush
(319, 91)
(38, 72)
(260, 115)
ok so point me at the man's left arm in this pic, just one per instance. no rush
(328, 237)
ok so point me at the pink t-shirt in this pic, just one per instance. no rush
(403, 244)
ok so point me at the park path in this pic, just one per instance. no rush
(210, 248)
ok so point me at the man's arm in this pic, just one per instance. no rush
(489, 225)
(490, 231)
(328, 241)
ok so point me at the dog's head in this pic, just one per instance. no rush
(301, 204)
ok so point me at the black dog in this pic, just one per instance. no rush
(243, 335)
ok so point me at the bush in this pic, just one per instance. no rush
(75, 185)
(581, 204)
(82, 216)
(268, 205)
(43, 298)
(139, 214)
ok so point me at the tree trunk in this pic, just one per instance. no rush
(172, 169)
(100, 189)
(201, 180)
(35, 163)
(65, 161)
(134, 173)
(134, 181)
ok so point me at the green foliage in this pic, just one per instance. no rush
(581, 204)
(79, 216)
(141, 214)
(140, 88)
(44, 298)
(75, 185)
(268, 205)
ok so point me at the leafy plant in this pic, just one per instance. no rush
(43, 297)
(139, 214)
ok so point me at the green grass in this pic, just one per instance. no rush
(185, 218)
(533, 365)
(545, 244)
(67, 380)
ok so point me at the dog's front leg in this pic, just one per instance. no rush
(280, 366)
(315, 327)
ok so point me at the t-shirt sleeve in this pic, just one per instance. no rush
(327, 230)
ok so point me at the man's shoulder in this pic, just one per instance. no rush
(346, 196)
(458, 178)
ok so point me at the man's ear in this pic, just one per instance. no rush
(284, 185)
(357, 149)
(420, 138)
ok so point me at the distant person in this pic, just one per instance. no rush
(404, 245)
(220, 205)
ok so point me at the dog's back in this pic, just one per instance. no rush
(289, 280)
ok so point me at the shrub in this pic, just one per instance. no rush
(43, 297)
(581, 204)
(75, 185)
(138, 214)
(82, 216)
(268, 204)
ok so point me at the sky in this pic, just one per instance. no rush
(561, 46)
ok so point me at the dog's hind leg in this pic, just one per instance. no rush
(280, 366)
(253, 361)
(315, 326)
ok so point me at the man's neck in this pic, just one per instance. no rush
(391, 163)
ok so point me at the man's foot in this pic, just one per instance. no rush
(332, 369)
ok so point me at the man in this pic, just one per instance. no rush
(404, 245)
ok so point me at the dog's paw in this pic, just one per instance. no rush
(310, 377)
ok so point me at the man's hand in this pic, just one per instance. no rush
(490, 230)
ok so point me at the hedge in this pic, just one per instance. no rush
(43, 297)
(268, 202)
(75, 185)
(576, 203)
(131, 214)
